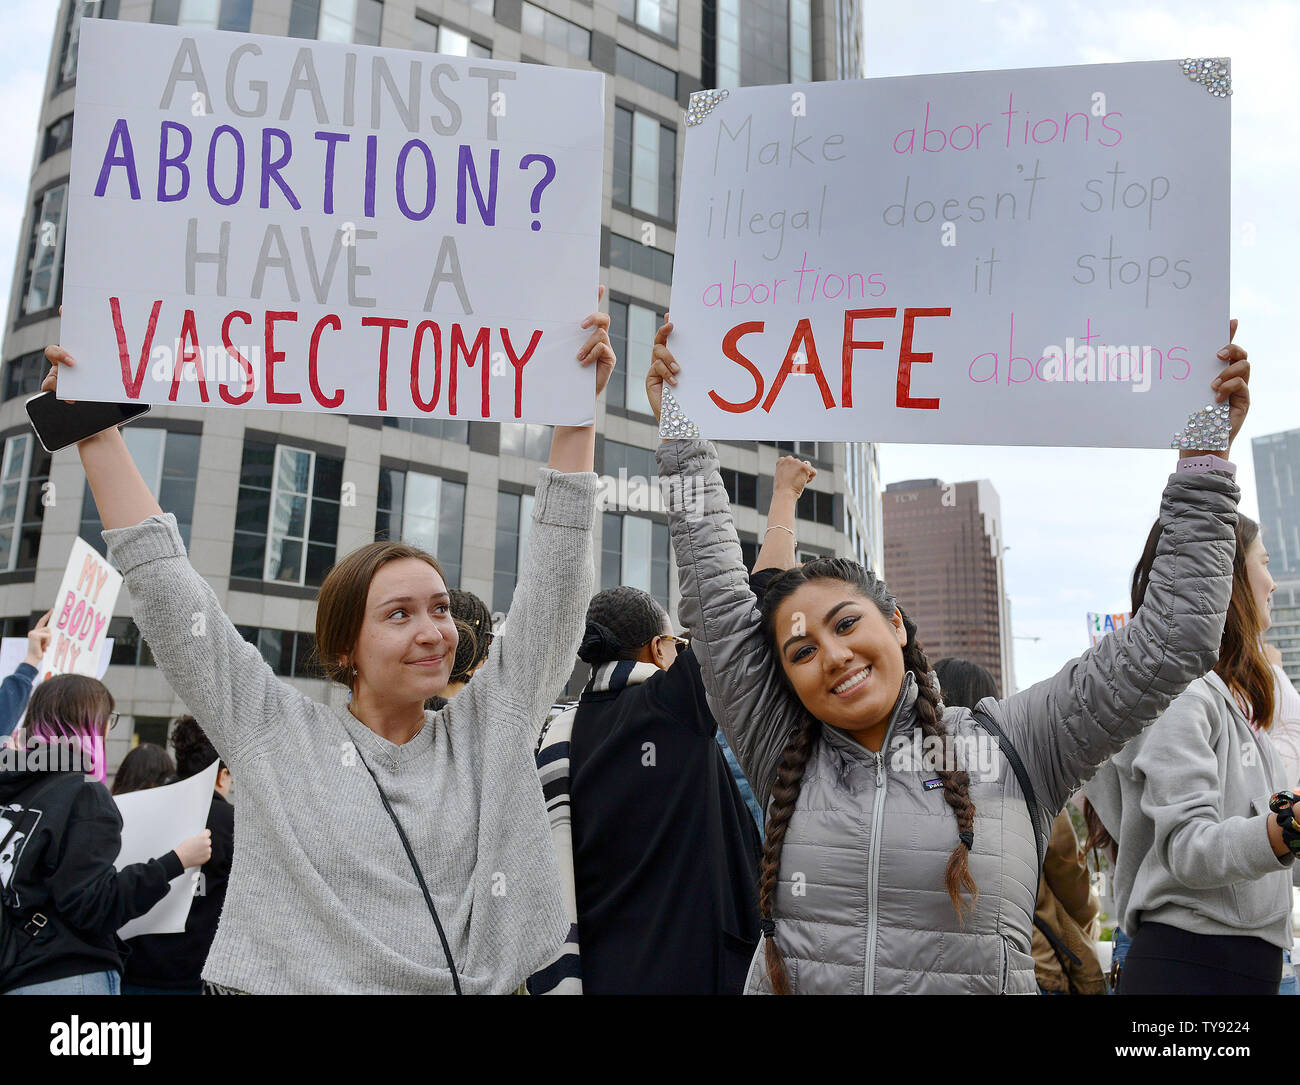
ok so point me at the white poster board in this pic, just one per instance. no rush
(13, 650)
(1099, 625)
(153, 823)
(1034, 257)
(286, 224)
(82, 610)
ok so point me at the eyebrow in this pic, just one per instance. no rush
(829, 615)
(408, 599)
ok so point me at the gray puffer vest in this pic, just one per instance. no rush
(862, 906)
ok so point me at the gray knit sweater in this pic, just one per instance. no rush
(322, 897)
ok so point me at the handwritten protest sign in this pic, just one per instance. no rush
(153, 823)
(297, 225)
(1023, 257)
(14, 649)
(82, 610)
(1101, 624)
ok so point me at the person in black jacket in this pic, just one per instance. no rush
(172, 964)
(665, 854)
(64, 902)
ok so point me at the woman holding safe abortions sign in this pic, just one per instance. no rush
(378, 847)
(880, 875)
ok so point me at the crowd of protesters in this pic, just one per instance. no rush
(733, 812)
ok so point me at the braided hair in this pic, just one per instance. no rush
(798, 748)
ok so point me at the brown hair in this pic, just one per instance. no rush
(144, 768)
(794, 757)
(341, 603)
(69, 705)
(1241, 664)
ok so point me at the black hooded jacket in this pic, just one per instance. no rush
(59, 864)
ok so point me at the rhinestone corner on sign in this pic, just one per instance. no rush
(702, 103)
(1207, 429)
(673, 423)
(1213, 73)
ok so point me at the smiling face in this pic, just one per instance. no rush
(843, 658)
(407, 641)
(1261, 583)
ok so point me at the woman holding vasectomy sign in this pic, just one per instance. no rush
(379, 847)
(879, 875)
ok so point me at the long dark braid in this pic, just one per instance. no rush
(956, 783)
(785, 795)
(794, 757)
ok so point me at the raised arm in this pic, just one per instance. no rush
(778, 549)
(741, 677)
(530, 663)
(1068, 725)
(222, 679)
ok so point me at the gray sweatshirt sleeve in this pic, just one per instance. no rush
(223, 680)
(1181, 795)
(528, 665)
(1068, 725)
(742, 677)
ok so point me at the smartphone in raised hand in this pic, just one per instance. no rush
(58, 423)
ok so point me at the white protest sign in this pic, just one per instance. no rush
(13, 650)
(153, 823)
(82, 610)
(1101, 624)
(285, 224)
(1032, 257)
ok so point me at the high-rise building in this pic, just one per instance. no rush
(943, 556)
(1277, 485)
(268, 501)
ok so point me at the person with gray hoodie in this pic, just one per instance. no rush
(1203, 875)
(876, 876)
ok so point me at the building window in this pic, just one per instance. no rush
(527, 439)
(445, 428)
(434, 38)
(23, 375)
(640, 259)
(635, 551)
(742, 488)
(632, 330)
(645, 71)
(810, 449)
(78, 10)
(356, 22)
(800, 41)
(290, 653)
(43, 276)
(728, 39)
(559, 32)
(816, 506)
(150, 729)
(58, 137)
(645, 163)
(657, 16)
(514, 520)
(425, 511)
(24, 470)
(287, 519)
(129, 648)
(208, 14)
(169, 465)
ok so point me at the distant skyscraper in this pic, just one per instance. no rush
(943, 557)
(1277, 484)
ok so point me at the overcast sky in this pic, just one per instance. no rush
(1074, 519)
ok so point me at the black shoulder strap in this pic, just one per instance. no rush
(1018, 767)
(419, 875)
